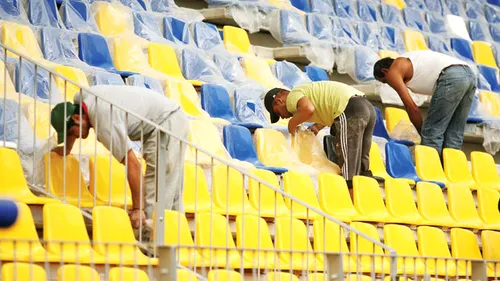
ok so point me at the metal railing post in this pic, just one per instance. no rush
(167, 265)
(479, 270)
(161, 168)
(335, 267)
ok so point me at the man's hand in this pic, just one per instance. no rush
(137, 218)
(315, 128)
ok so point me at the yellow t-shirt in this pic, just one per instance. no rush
(328, 97)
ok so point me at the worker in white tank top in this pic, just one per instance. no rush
(451, 83)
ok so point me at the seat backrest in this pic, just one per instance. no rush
(391, 14)
(223, 275)
(128, 55)
(21, 39)
(432, 242)
(128, 274)
(163, 58)
(206, 36)
(490, 81)
(236, 40)
(329, 237)
(437, 44)
(461, 204)
(186, 275)
(55, 175)
(252, 232)
(57, 45)
(289, 74)
(462, 47)
(414, 41)
(360, 245)
(177, 230)
(213, 230)
(483, 54)
(292, 28)
(490, 241)
(464, 244)
(93, 49)
(11, 172)
(11, 8)
(107, 173)
(487, 201)
(483, 168)
(112, 19)
(272, 148)
(400, 238)
(367, 11)
(413, 19)
(296, 240)
(456, 167)
(491, 101)
(22, 230)
(367, 196)
(300, 186)
(64, 222)
(176, 30)
(259, 70)
(23, 271)
(77, 272)
(399, 199)
(393, 116)
(5, 85)
(345, 9)
(316, 73)
(431, 203)
(436, 23)
(206, 135)
(71, 73)
(146, 26)
(263, 197)
(281, 276)
(178, 91)
(43, 13)
(301, 5)
(228, 188)
(333, 194)
(377, 165)
(107, 78)
(195, 189)
(398, 160)
(428, 164)
(239, 143)
(320, 26)
(215, 100)
(380, 130)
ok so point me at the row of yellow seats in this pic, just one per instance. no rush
(292, 235)
(66, 239)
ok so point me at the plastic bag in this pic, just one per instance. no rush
(76, 15)
(405, 130)
(389, 96)
(491, 134)
(246, 15)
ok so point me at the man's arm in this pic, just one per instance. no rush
(134, 174)
(305, 110)
(315, 128)
(70, 141)
(395, 80)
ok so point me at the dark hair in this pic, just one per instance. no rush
(379, 65)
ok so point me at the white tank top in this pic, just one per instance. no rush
(427, 66)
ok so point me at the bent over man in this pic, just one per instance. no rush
(115, 130)
(344, 109)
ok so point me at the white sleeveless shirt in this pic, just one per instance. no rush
(427, 66)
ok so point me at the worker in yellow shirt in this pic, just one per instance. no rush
(344, 109)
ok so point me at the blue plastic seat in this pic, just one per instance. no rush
(349, 30)
(322, 6)
(107, 78)
(367, 11)
(381, 131)
(176, 30)
(43, 13)
(215, 101)
(462, 48)
(301, 5)
(364, 59)
(434, 6)
(368, 36)
(492, 13)
(495, 32)
(292, 28)
(206, 36)
(474, 114)
(289, 74)
(436, 44)
(473, 10)
(496, 53)
(136, 5)
(316, 73)
(494, 2)
(57, 45)
(436, 23)
(146, 82)
(146, 26)
(10, 10)
(345, 9)
(390, 15)
(454, 7)
(413, 19)
(239, 143)
(93, 50)
(476, 31)
(415, 4)
(320, 26)
(195, 66)
(162, 6)
(25, 81)
(399, 163)
(490, 76)
(392, 39)
(248, 106)
(9, 116)
(76, 15)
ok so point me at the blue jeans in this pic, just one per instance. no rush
(449, 108)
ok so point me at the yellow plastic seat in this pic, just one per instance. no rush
(252, 232)
(212, 230)
(228, 191)
(334, 197)
(270, 203)
(102, 180)
(21, 39)
(428, 165)
(205, 135)
(491, 102)
(7, 88)
(388, 54)
(484, 170)
(291, 235)
(259, 70)
(73, 74)
(432, 243)
(111, 226)
(196, 196)
(464, 245)
(186, 275)
(310, 151)
(463, 208)
(361, 248)
(490, 242)
(163, 58)
(38, 115)
(487, 201)
(281, 276)
(179, 92)
(329, 237)
(224, 275)
(301, 186)
(236, 41)
(368, 200)
(432, 206)
(457, 170)
(400, 203)
(393, 116)
(274, 150)
(400, 238)
(64, 222)
(112, 19)
(414, 41)
(23, 271)
(12, 182)
(19, 242)
(127, 274)
(400, 4)
(483, 54)
(129, 56)
(70, 272)
(377, 165)
(55, 171)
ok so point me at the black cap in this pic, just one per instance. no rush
(268, 102)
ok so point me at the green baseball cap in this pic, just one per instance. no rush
(58, 119)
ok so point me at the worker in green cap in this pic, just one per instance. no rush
(116, 130)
